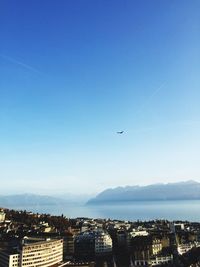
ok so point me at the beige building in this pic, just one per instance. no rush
(37, 254)
(2, 216)
(143, 248)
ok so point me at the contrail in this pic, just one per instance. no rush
(23, 65)
(155, 92)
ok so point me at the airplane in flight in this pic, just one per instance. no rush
(120, 132)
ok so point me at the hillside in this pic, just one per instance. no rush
(171, 191)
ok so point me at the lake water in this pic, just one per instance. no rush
(140, 210)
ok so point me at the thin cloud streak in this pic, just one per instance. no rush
(178, 124)
(17, 62)
(155, 92)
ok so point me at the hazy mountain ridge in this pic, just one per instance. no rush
(188, 190)
(29, 200)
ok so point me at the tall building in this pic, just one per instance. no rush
(91, 244)
(9, 258)
(143, 248)
(68, 245)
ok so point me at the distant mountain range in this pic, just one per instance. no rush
(34, 200)
(189, 190)
(29, 200)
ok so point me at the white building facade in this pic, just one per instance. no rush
(9, 259)
(103, 243)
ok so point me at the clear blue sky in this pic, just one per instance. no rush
(73, 72)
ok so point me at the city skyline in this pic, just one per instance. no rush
(74, 73)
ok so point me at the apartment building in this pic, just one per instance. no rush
(34, 253)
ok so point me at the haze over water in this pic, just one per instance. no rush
(139, 210)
